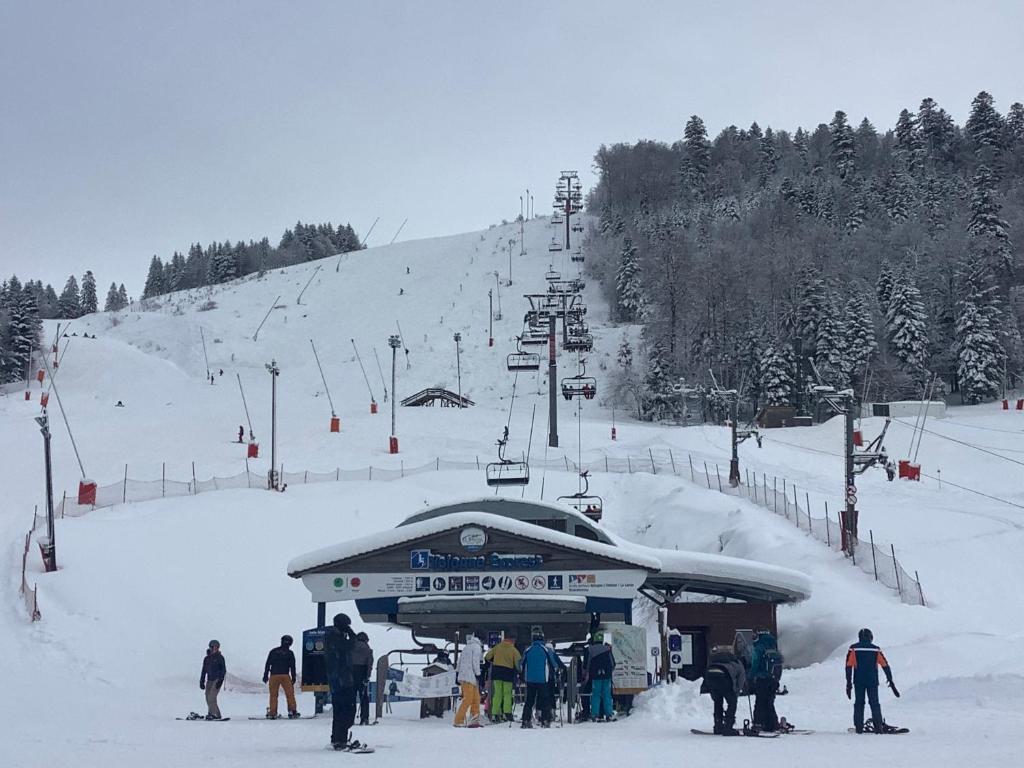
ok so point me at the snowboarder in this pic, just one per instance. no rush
(504, 658)
(211, 679)
(890, 470)
(538, 671)
(241, 433)
(725, 680)
(362, 665)
(862, 662)
(468, 678)
(279, 671)
(765, 671)
(600, 665)
(338, 659)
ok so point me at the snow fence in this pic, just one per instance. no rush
(775, 494)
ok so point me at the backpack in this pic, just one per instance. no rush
(772, 661)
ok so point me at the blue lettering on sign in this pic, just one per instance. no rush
(427, 560)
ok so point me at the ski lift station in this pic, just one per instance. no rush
(500, 565)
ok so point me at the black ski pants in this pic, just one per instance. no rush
(537, 697)
(364, 702)
(725, 709)
(859, 690)
(343, 711)
(765, 717)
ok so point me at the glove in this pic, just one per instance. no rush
(892, 686)
(265, 679)
(849, 690)
(202, 686)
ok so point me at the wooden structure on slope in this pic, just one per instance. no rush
(433, 395)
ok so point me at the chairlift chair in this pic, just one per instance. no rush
(579, 385)
(531, 338)
(584, 343)
(554, 245)
(505, 471)
(584, 502)
(577, 257)
(522, 361)
(553, 275)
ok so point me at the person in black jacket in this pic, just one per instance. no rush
(725, 680)
(211, 679)
(338, 659)
(280, 672)
(362, 665)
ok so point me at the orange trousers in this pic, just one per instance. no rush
(277, 682)
(471, 702)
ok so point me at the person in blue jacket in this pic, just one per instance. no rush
(765, 683)
(539, 669)
(862, 662)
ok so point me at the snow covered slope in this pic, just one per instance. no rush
(143, 587)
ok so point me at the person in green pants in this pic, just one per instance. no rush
(504, 659)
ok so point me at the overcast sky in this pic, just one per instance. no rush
(133, 128)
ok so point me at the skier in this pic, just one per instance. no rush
(504, 658)
(765, 671)
(725, 680)
(600, 665)
(279, 671)
(362, 664)
(338, 660)
(241, 433)
(212, 678)
(468, 678)
(538, 671)
(862, 662)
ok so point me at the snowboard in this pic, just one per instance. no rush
(284, 717)
(888, 732)
(203, 719)
(363, 750)
(754, 734)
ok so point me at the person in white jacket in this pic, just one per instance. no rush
(468, 677)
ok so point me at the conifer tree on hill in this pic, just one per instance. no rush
(69, 303)
(88, 298)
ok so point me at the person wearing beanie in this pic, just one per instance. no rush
(212, 677)
(468, 678)
(338, 645)
(600, 666)
(279, 671)
(362, 667)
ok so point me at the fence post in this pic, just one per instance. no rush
(896, 569)
(807, 498)
(437, 464)
(796, 508)
(477, 463)
(163, 479)
(719, 476)
(693, 478)
(920, 591)
(606, 462)
(370, 470)
(401, 464)
(874, 560)
(124, 488)
(828, 528)
(305, 476)
(195, 486)
(629, 464)
(673, 460)
(707, 475)
(63, 504)
(853, 544)
(785, 499)
(775, 494)
(653, 470)
(337, 474)
(248, 477)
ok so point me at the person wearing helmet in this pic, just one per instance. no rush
(211, 679)
(362, 665)
(338, 645)
(862, 662)
(279, 671)
(600, 665)
(725, 679)
(538, 671)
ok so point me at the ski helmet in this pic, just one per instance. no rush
(214, 644)
(538, 634)
(341, 621)
(865, 635)
(599, 637)
(286, 640)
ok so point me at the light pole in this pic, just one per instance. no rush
(272, 479)
(528, 198)
(734, 461)
(490, 318)
(522, 223)
(50, 546)
(497, 283)
(511, 242)
(394, 342)
(458, 364)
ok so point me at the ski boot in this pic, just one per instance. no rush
(294, 714)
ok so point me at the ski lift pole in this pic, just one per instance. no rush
(245, 406)
(373, 400)
(370, 231)
(401, 336)
(399, 231)
(529, 445)
(205, 358)
(64, 416)
(322, 377)
(380, 372)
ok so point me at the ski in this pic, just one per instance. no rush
(283, 717)
(203, 719)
